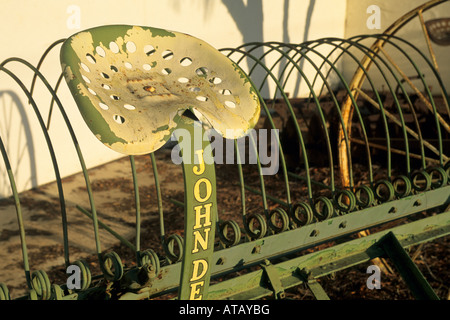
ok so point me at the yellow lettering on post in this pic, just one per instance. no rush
(198, 239)
(198, 170)
(202, 228)
(195, 291)
(208, 187)
(199, 215)
(204, 267)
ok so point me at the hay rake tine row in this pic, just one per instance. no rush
(38, 66)
(18, 215)
(279, 87)
(304, 154)
(110, 262)
(93, 217)
(384, 116)
(111, 258)
(417, 136)
(38, 279)
(270, 234)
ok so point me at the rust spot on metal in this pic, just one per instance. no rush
(150, 89)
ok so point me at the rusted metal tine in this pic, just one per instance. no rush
(397, 122)
(416, 90)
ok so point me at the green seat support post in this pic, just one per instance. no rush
(133, 85)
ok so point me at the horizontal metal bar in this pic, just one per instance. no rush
(254, 252)
(332, 259)
(320, 232)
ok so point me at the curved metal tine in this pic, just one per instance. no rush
(282, 157)
(51, 151)
(401, 122)
(241, 180)
(417, 135)
(258, 163)
(312, 93)
(356, 108)
(239, 162)
(138, 209)
(283, 164)
(50, 111)
(314, 65)
(404, 127)
(77, 148)
(269, 117)
(284, 55)
(38, 66)
(41, 61)
(280, 147)
(303, 55)
(261, 176)
(383, 115)
(320, 75)
(158, 197)
(439, 119)
(431, 51)
(332, 65)
(317, 103)
(379, 104)
(19, 215)
(302, 145)
(252, 143)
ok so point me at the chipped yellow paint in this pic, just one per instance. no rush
(133, 83)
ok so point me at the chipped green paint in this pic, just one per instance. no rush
(162, 33)
(95, 121)
(165, 127)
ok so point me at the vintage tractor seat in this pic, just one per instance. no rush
(132, 84)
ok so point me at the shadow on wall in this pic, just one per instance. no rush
(249, 19)
(248, 16)
(309, 14)
(18, 143)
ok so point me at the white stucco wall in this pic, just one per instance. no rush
(28, 27)
(389, 12)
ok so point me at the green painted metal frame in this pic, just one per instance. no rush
(330, 260)
(200, 205)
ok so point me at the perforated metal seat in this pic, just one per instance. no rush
(439, 31)
(132, 84)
